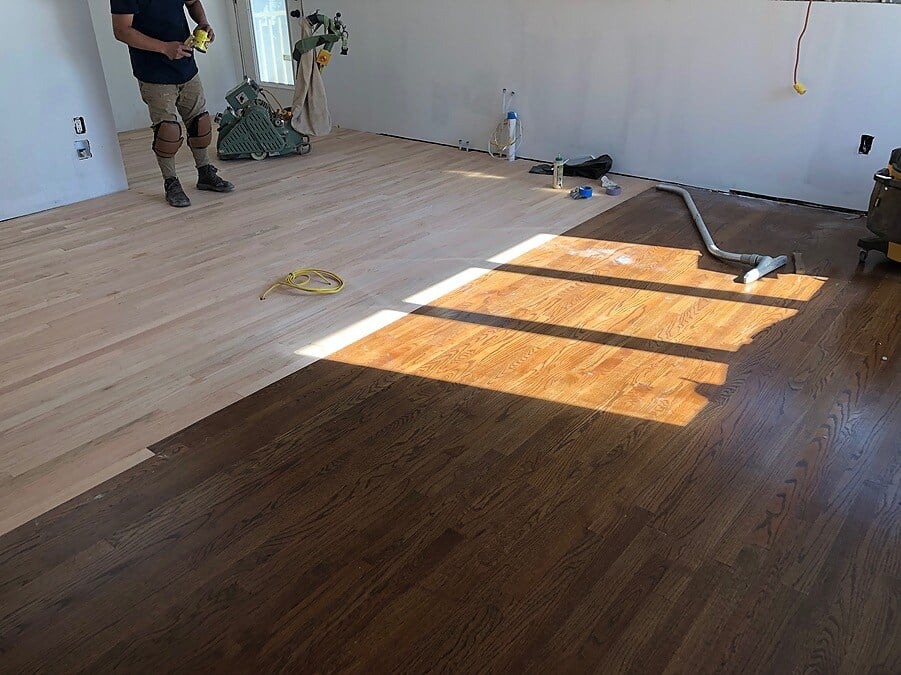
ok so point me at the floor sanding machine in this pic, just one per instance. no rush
(254, 127)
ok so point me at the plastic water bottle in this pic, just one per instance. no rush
(512, 121)
(558, 172)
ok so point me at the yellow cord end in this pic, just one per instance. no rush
(800, 88)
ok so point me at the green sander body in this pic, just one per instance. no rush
(251, 129)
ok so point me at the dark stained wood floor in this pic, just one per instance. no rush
(605, 456)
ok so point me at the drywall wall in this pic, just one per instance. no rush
(219, 69)
(129, 110)
(46, 88)
(695, 91)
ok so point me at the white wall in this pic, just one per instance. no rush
(695, 91)
(45, 85)
(219, 69)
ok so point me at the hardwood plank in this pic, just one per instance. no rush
(123, 321)
(559, 465)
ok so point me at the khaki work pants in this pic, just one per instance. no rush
(166, 102)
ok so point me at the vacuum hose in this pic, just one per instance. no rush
(763, 264)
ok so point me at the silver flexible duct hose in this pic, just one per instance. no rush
(763, 264)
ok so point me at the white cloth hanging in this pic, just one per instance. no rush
(311, 115)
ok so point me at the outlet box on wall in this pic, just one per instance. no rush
(83, 149)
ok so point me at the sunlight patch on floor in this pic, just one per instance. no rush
(625, 381)
(646, 262)
(449, 285)
(475, 174)
(351, 334)
(621, 327)
(692, 320)
(515, 252)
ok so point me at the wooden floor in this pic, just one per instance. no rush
(602, 456)
(123, 320)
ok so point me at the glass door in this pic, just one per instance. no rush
(265, 35)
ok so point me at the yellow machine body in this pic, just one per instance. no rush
(200, 40)
(324, 57)
(894, 251)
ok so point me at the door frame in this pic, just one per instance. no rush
(248, 49)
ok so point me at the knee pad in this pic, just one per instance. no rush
(200, 131)
(167, 139)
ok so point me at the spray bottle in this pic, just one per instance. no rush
(559, 163)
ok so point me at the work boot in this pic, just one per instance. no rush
(175, 195)
(208, 179)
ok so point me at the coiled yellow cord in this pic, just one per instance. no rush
(308, 280)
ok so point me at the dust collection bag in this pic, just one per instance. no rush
(311, 115)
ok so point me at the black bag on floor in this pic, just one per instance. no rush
(595, 169)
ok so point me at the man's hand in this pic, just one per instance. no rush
(209, 31)
(198, 13)
(176, 50)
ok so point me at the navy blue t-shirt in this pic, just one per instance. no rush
(164, 20)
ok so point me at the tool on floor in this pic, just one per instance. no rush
(884, 214)
(252, 127)
(762, 264)
(611, 188)
(581, 192)
(309, 280)
(199, 40)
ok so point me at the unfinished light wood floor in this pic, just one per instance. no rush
(123, 320)
(604, 456)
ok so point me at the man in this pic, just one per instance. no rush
(155, 32)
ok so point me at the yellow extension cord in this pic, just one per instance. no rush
(309, 280)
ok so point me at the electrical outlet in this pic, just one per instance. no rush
(866, 144)
(83, 149)
(80, 126)
(464, 145)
